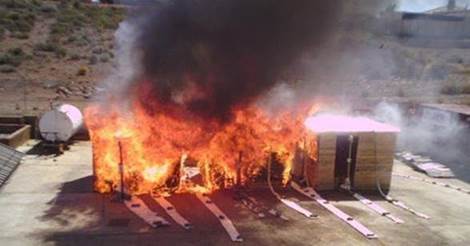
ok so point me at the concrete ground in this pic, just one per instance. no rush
(49, 201)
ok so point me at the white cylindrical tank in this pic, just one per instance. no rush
(61, 123)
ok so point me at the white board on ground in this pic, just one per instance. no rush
(171, 211)
(139, 208)
(311, 193)
(224, 220)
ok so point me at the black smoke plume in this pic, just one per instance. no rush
(209, 57)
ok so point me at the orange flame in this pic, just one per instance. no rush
(154, 146)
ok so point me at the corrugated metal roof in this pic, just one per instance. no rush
(9, 161)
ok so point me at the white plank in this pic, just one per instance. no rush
(376, 208)
(298, 208)
(224, 220)
(403, 206)
(138, 207)
(429, 181)
(171, 211)
(311, 193)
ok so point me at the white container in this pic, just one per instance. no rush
(61, 123)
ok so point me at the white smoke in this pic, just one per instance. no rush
(279, 98)
(127, 62)
(425, 130)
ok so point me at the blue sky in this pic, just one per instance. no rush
(424, 5)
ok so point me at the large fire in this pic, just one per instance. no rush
(154, 147)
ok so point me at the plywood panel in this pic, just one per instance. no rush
(375, 159)
(328, 154)
(327, 140)
(311, 170)
(375, 156)
(326, 158)
(371, 168)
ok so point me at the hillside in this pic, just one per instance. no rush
(361, 60)
(59, 51)
(51, 48)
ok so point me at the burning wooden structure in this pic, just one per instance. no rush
(146, 154)
(149, 151)
(355, 151)
(331, 151)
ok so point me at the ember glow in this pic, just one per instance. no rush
(156, 146)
